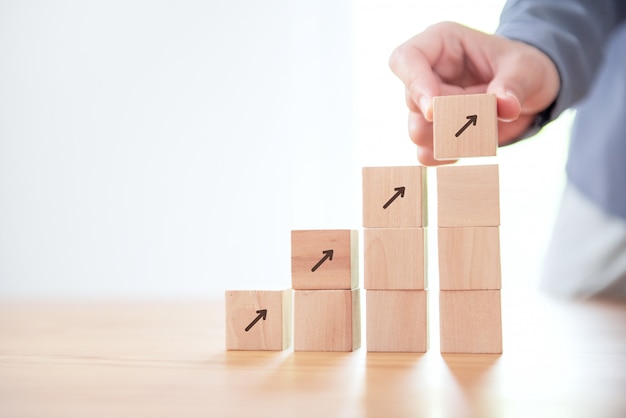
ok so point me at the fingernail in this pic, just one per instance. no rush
(510, 113)
(509, 93)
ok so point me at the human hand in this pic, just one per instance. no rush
(448, 58)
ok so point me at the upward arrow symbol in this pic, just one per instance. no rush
(262, 314)
(399, 193)
(328, 255)
(471, 121)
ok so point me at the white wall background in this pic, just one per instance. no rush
(156, 149)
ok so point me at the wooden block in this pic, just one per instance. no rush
(394, 258)
(258, 319)
(470, 321)
(394, 197)
(468, 196)
(397, 321)
(465, 126)
(324, 259)
(469, 258)
(327, 320)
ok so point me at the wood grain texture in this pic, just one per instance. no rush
(468, 195)
(159, 359)
(456, 135)
(394, 258)
(327, 320)
(469, 258)
(396, 321)
(271, 331)
(384, 206)
(470, 321)
(312, 267)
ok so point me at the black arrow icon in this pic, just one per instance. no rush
(399, 192)
(471, 121)
(328, 255)
(262, 314)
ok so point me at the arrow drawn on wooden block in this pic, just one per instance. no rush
(328, 255)
(471, 120)
(399, 193)
(262, 314)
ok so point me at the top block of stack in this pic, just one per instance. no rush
(394, 197)
(465, 126)
(324, 259)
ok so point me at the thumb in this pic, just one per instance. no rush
(526, 80)
(509, 98)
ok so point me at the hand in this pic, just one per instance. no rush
(448, 58)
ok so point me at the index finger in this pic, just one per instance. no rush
(412, 62)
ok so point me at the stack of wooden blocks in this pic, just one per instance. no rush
(324, 263)
(468, 211)
(325, 279)
(325, 299)
(394, 220)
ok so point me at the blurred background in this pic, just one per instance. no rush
(163, 149)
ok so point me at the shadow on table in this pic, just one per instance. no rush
(470, 370)
(396, 385)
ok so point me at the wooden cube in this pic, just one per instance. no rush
(327, 320)
(469, 258)
(394, 197)
(396, 321)
(258, 319)
(394, 258)
(470, 321)
(465, 126)
(468, 196)
(324, 259)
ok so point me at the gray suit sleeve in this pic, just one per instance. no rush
(571, 32)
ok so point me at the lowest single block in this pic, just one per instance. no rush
(324, 259)
(469, 258)
(465, 126)
(394, 197)
(397, 321)
(470, 321)
(327, 320)
(258, 319)
(394, 258)
(468, 195)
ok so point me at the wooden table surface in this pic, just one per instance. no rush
(167, 359)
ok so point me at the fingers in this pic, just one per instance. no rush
(510, 132)
(420, 130)
(450, 59)
(508, 106)
(413, 107)
(525, 80)
(509, 94)
(412, 62)
(421, 133)
(421, 85)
